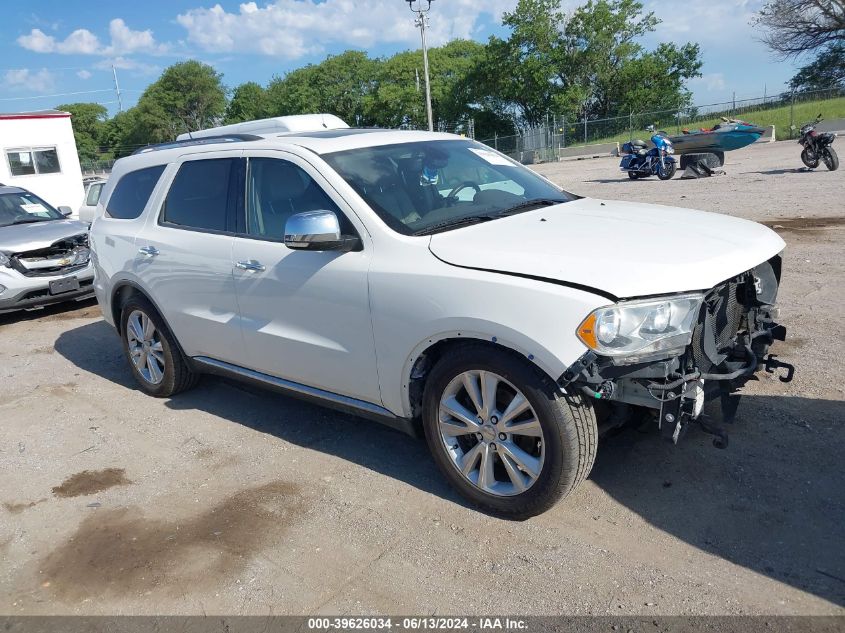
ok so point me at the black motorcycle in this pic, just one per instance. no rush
(817, 147)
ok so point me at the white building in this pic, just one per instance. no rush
(39, 154)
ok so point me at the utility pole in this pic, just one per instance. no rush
(422, 22)
(117, 89)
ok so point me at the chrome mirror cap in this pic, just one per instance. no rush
(312, 230)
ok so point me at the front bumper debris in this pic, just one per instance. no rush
(730, 343)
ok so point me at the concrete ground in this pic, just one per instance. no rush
(228, 500)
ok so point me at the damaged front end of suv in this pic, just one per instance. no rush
(672, 353)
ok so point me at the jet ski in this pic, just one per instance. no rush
(729, 135)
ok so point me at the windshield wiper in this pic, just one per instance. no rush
(529, 204)
(453, 224)
(28, 220)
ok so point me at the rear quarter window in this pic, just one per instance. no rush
(132, 192)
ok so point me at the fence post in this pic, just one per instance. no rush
(792, 113)
(563, 127)
(496, 141)
(585, 128)
(631, 126)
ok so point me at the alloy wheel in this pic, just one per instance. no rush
(145, 348)
(491, 433)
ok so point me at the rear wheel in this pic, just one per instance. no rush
(831, 160)
(504, 435)
(809, 158)
(153, 354)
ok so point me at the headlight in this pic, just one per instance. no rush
(81, 256)
(670, 149)
(632, 331)
(4, 259)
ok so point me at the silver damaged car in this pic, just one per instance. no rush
(44, 256)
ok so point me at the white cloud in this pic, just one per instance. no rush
(713, 82)
(83, 74)
(293, 28)
(83, 42)
(38, 41)
(124, 40)
(80, 42)
(127, 63)
(39, 81)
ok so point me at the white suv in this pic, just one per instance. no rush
(429, 282)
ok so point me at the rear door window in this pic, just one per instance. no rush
(132, 191)
(201, 195)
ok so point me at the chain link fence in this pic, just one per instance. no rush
(786, 111)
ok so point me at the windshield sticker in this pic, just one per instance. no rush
(35, 209)
(491, 157)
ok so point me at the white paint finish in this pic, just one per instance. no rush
(418, 300)
(306, 316)
(626, 249)
(59, 189)
(330, 335)
(273, 125)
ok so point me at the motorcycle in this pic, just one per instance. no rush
(817, 147)
(641, 162)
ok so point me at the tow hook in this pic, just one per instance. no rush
(773, 363)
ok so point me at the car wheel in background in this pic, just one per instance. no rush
(504, 434)
(153, 354)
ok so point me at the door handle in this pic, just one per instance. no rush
(149, 251)
(250, 265)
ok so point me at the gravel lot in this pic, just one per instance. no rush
(228, 500)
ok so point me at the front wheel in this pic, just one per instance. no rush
(831, 160)
(667, 170)
(809, 158)
(503, 434)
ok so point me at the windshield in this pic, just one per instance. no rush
(429, 186)
(22, 208)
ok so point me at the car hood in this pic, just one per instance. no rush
(618, 249)
(18, 238)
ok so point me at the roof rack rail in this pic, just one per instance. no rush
(207, 140)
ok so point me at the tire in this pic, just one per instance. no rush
(812, 163)
(831, 160)
(666, 174)
(720, 156)
(561, 442)
(153, 348)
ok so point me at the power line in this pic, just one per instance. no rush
(59, 94)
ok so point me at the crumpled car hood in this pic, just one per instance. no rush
(620, 249)
(29, 237)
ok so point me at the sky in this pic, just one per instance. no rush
(62, 51)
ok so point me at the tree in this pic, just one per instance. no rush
(340, 85)
(88, 121)
(122, 135)
(188, 96)
(795, 27)
(248, 102)
(588, 64)
(827, 70)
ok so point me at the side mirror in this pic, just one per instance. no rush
(65, 210)
(317, 231)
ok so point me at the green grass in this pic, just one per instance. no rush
(779, 117)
